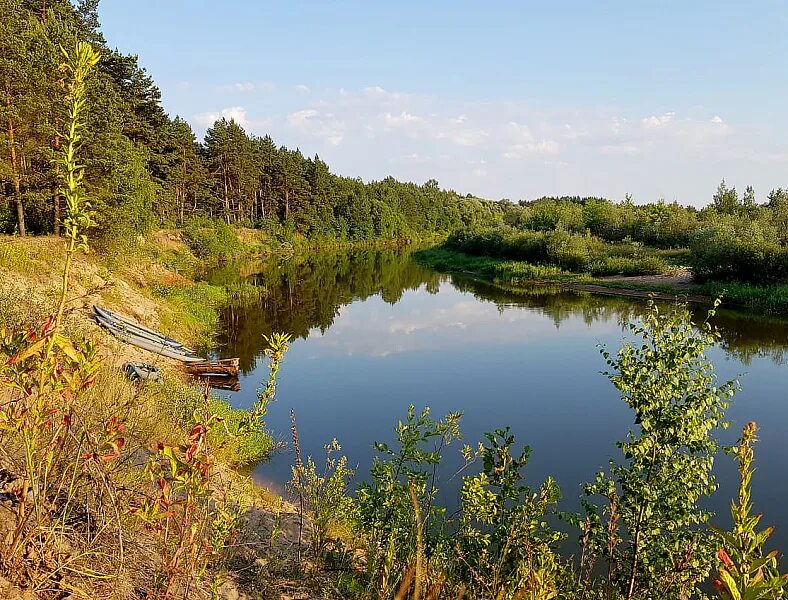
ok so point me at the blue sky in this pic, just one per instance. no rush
(499, 99)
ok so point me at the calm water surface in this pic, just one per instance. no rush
(374, 332)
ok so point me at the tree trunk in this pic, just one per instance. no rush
(182, 191)
(17, 180)
(226, 198)
(638, 530)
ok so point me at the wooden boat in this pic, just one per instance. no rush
(157, 346)
(124, 322)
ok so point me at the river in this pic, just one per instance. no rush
(373, 332)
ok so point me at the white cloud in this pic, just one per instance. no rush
(654, 122)
(247, 87)
(404, 119)
(324, 126)
(236, 113)
(519, 151)
(303, 89)
(619, 149)
(529, 150)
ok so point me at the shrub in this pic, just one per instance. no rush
(568, 251)
(211, 240)
(646, 526)
(747, 252)
(744, 571)
(504, 548)
(623, 265)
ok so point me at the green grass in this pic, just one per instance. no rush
(765, 299)
(30, 256)
(237, 450)
(492, 268)
(451, 261)
(21, 310)
(182, 401)
(196, 307)
(628, 266)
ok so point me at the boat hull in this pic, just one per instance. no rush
(159, 347)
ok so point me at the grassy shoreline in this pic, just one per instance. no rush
(766, 300)
(173, 302)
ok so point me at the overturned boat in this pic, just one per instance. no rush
(129, 331)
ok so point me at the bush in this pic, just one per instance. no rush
(555, 253)
(213, 241)
(568, 251)
(747, 252)
(628, 266)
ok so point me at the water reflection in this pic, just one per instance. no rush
(375, 332)
(308, 293)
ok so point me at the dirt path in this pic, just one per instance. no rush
(679, 286)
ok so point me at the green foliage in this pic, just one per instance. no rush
(739, 251)
(325, 497)
(766, 299)
(504, 547)
(393, 521)
(745, 573)
(731, 240)
(278, 346)
(646, 527)
(234, 444)
(558, 249)
(212, 241)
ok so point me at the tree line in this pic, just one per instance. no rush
(733, 238)
(147, 168)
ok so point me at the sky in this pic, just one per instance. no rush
(501, 99)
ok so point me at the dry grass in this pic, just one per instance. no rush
(105, 551)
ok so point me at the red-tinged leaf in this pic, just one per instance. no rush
(48, 324)
(726, 560)
(190, 452)
(27, 352)
(197, 431)
(719, 585)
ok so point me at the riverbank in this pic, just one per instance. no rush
(152, 415)
(156, 280)
(677, 284)
(147, 291)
